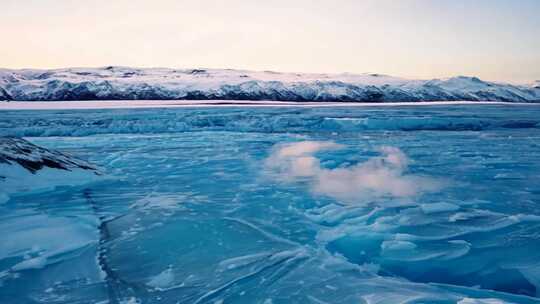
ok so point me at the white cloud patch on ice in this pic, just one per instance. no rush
(380, 176)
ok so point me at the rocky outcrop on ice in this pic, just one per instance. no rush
(33, 158)
(27, 167)
(123, 83)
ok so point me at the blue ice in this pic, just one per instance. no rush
(405, 204)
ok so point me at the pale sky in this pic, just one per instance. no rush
(492, 39)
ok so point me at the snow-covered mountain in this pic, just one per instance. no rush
(119, 83)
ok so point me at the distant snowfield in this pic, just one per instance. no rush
(130, 104)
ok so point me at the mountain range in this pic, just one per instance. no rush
(125, 83)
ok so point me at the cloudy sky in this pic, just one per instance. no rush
(493, 39)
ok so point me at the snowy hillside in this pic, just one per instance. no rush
(122, 83)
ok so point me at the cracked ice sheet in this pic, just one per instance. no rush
(308, 248)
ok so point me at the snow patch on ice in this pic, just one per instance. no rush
(482, 301)
(397, 245)
(131, 300)
(34, 263)
(159, 202)
(438, 207)
(162, 280)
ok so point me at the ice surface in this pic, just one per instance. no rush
(222, 205)
(269, 120)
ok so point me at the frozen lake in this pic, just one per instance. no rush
(401, 204)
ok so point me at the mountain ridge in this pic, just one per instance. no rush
(125, 83)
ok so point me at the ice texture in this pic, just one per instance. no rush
(225, 205)
(124, 83)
